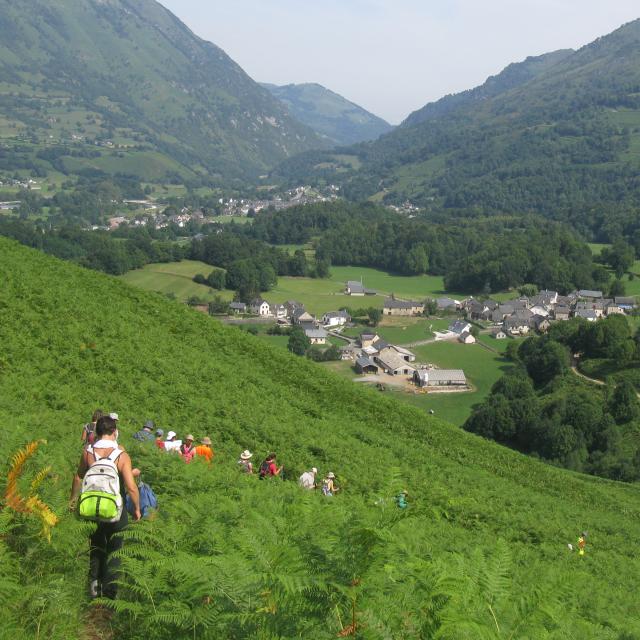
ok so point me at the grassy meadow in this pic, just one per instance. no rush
(175, 278)
(229, 556)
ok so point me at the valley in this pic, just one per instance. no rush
(440, 319)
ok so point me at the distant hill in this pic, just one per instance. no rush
(556, 135)
(330, 115)
(124, 86)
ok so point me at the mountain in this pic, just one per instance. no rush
(330, 115)
(124, 86)
(229, 555)
(557, 135)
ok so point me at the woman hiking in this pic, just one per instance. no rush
(188, 449)
(107, 538)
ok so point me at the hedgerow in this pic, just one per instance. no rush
(481, 552)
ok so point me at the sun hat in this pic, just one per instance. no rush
(149, 424)
(159, 433)
(314, 470)
(246, 454)
(206, 440)
(189, 437)
(331, 475)
(114, 416)
(171, 435)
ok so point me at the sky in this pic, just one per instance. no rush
(394, 56)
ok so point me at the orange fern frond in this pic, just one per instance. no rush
(49, 519)
(11, 494)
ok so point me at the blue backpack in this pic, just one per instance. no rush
(148, 500)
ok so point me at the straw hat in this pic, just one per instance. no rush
(206, 440)
(246, 454)
(331, 475)
(189, 437)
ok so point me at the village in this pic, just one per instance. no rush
(383, 363)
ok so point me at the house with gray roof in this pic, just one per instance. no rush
(439, 378)
(393, 307)
(459, 327)
(447, 304)
(588, 314)
(366, 365)
(316, 336)
(392, 363)
(237, 307)
(588, 294)
(355, 288)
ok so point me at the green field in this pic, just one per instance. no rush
(482, 368)
(229, 556)
(175, 278)
(403, 330)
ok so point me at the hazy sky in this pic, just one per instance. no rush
(394, 56)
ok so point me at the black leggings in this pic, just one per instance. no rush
(103, 566)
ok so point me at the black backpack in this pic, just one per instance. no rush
(264, 469)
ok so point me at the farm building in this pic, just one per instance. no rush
(316, 336)
(366, 365)
(440, 378)
(499, 334)
(355, 288)
(393, 307)
(394, 364)
(238, 307)
(466, 338)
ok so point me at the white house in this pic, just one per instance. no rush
(466, 338)
(260, 307)
(335, 318)
(279, 311)
(459, 327)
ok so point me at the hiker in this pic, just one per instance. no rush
(146, 433)
(269, 468)
(328, 486)
(160, 439)
(245, 461)
(187, 448)
(204, 449)
(88, 431)
(148, 500)
(308, 479)
(100, 481)
(171, 444)
(582, 543)
(401, 499)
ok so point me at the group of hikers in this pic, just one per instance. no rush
(106, 487)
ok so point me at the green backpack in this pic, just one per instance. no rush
(100, 497)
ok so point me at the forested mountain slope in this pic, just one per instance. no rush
(129, 75)
(330, 115)
(557, 135)
(481, 552)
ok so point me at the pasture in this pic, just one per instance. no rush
(175, 278)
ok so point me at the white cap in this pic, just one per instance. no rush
(113, 416)
(171, 435)
(314, 470)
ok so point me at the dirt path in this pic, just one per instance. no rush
(574, 368)
(97, 624)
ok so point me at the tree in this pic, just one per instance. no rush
(617, 288)
(298, 341)
(374, 316)
(544, 359)
(624, 405)
(218, 305)
(199, 279)
(217, 279)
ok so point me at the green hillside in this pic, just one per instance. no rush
(481, 552)
(330, 115)
(125, 87)
(557, 135)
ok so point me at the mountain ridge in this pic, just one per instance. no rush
(331, 115)
(132, 71)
